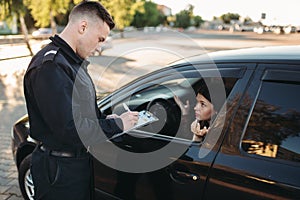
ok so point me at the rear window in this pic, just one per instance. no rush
(274, 127)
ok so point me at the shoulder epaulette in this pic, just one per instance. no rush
(50, 54)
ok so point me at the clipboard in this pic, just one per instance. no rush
(145, 118)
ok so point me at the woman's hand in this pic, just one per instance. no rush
(184, 108)
(195, 128)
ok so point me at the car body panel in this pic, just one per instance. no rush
(185, 175)
(236, 172)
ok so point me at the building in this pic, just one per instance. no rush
(164, 10)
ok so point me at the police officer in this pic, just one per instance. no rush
(61, 103)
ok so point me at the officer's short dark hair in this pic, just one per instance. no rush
(93, 8)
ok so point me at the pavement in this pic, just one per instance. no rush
(14, 59)
(9, 188)
(12, 107)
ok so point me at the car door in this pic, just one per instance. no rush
(260, 156)
(160, 161)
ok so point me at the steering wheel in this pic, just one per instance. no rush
(165, 111)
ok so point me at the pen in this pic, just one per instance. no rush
(126, 107)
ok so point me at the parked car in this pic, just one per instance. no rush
(45, 33)
(42, 33)
(252, 150)
(107, 44)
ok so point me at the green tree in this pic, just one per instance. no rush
(183, 19)
(247, 20)
(226, 18)
(150, 17)
(198, 21)
(77, 1)
(16, 7)
(45, 11)
(190, 9)
(123, 11)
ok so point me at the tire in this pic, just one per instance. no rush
(25, 179)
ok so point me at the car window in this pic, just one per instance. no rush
(274, 126)
(158, 98)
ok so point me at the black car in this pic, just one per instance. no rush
(252, 150)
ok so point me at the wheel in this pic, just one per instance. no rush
(25, 179)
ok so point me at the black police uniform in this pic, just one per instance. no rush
(63, 116)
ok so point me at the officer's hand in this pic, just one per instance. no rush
(129, 119)
(112, 116)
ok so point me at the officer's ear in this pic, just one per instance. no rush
(82, 26)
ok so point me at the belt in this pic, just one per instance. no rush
(62, 153)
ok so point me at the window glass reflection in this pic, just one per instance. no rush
(274, 126)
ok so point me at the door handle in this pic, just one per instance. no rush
(186, 175)
(183, 177)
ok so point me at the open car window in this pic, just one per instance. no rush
(158, 98)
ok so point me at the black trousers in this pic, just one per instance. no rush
(56, 178)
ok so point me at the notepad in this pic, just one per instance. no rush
(145, 118)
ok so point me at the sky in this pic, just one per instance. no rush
(278, 12)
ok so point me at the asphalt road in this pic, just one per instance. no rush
(136, 54)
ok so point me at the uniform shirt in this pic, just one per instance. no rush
(61, 100)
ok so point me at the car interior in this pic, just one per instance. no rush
(158, 98)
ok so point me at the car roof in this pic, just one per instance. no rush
(270, 54)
